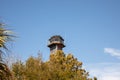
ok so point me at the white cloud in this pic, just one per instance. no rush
(112, 51)
(105, 71)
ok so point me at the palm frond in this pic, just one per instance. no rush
(5, 73)
(5, 36)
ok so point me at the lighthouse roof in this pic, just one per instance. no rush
(57, 39)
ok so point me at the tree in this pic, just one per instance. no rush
(18, 68)
(66, 67)
(5, 36)
(31, 70)
(5, 73)
(58, 67)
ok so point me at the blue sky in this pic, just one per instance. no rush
(91, 29)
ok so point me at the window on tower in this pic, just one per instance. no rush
(53, 47)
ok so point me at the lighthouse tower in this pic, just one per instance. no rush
(56, 43)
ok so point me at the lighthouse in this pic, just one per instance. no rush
(56, 43)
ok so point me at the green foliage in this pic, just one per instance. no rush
(59, 67)
(66, 67)
(31, 70)
(18, 70)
